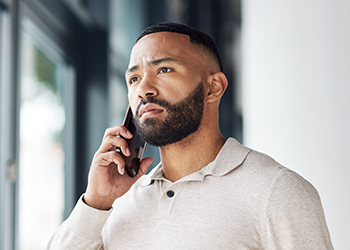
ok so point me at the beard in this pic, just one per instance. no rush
(184, 118)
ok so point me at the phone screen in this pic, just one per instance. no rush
(136, 145)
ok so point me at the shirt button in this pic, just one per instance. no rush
(170, 193)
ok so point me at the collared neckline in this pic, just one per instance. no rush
(231, 155)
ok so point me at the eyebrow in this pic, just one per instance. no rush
(153, 63)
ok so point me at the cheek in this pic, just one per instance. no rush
(133, 98)
(180, 92)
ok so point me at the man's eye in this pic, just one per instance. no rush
(134, 79)
(165, 70)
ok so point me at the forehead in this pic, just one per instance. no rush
(163, 44)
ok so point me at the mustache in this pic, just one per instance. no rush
(152, 99)
(196, 95)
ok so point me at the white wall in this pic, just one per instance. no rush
(296, 95)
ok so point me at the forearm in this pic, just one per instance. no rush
(82, 230)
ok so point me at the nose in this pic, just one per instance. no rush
(147, 87)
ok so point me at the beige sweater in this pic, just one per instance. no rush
(241, 200)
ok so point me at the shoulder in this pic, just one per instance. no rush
(261, 173)
(280, 178)
(247, 163)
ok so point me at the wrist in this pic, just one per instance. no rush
(97, 203)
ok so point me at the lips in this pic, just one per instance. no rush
(149, 109)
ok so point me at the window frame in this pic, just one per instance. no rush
(12, 13)
(7, 132)
(78, 38)
(63, 42)
(29, 19)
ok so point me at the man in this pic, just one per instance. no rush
(207, 192)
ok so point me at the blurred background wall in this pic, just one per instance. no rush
(296, 89)
(62, 65)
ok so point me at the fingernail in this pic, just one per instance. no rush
(122, 171)
(127, 151)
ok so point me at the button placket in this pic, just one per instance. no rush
(168, 199)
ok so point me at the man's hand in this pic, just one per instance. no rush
(107, 177)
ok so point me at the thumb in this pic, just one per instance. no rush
(144, 165)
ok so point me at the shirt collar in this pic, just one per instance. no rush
(231, 155)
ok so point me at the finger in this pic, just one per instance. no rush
(121, 168)
(114, 157)
(112, 142)
(105, 159)
(114, 162)
(118, 131)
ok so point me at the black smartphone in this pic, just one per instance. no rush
(136, 145)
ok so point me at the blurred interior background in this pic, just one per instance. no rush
(62, 84)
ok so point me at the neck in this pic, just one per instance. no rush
(190, 154)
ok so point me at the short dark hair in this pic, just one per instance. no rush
(196, 37)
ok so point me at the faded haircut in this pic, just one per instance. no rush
(196, 37)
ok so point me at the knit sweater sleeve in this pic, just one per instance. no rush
(294, 218)
(82, 229)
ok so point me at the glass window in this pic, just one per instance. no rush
(42, 130)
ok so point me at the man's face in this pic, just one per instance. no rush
(166, 90)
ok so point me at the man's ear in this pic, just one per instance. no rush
(217, 84)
